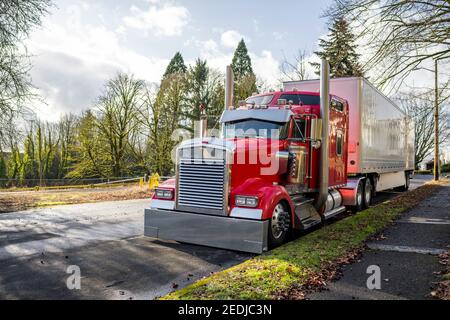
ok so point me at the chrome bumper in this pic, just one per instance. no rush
(214, 231)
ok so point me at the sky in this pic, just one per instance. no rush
(83, 43)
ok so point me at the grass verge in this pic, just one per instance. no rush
(292, 268)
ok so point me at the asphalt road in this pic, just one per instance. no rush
(105, 241)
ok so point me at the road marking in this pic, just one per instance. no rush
(421, 250)
(425, 221)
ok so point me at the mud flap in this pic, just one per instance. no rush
(213, 231)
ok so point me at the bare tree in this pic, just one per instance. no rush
(17, 18)
(296, 69)
(118, 111)
(401, 36)
(420, 107)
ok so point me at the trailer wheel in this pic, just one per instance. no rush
(279, 225)
(359, 198)
(367, 193)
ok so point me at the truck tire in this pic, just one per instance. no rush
(279, 225)
(407, 182)
(367, 201)
(359, 198)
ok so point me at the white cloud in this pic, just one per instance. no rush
(265, 66)
(72, 62)
(231, 38)
(167, 20)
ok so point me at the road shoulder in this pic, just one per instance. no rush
(407, 255)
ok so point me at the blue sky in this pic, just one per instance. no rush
(84, 43)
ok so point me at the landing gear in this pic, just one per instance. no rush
(407, 182)
(279, 225)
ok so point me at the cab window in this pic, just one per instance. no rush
(301, 99)
(339, 143)
(299, 129)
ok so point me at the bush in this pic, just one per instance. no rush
(445, 167)
(423, 172)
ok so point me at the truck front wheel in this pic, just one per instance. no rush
(367, 193)
(279, 225)
(359, 198)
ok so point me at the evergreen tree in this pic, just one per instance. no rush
(203, 85)
(176, 65)
(245, 79)
(340, 51)
(197, 92)
(241, 64)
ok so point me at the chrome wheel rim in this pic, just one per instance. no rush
(277, 223)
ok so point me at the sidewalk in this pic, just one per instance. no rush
(407, 256)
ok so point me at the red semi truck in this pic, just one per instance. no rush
(285, 161)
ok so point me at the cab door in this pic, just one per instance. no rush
(299, 145)
(338, 137)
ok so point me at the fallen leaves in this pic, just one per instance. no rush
(442, 290)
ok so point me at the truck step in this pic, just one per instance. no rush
(309, 223)
(306, 216)
(332, 213)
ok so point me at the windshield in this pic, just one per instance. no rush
(301, 99)
(260, 100)
(255, 129)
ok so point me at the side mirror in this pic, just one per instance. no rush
(316, 130)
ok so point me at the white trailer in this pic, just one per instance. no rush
(381, 135)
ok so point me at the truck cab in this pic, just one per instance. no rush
(263, 171)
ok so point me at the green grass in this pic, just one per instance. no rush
(277, 272)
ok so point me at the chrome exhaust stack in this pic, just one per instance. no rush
(229, 88)
(203, 122)
(324, 114)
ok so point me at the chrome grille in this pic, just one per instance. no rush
(201, 186)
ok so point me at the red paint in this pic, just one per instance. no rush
(246, 179)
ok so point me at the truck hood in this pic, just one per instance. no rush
(253, 150)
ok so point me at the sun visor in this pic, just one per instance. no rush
(273, 115)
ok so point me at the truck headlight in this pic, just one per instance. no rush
(243, 201)
(164, 194)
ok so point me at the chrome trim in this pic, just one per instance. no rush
(227, 157)
(325, 115)
(215, 231)
(254, 214)
(229, 87)
(201, 186)
(162, 204)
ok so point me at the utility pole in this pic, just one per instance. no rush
(436, 122)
